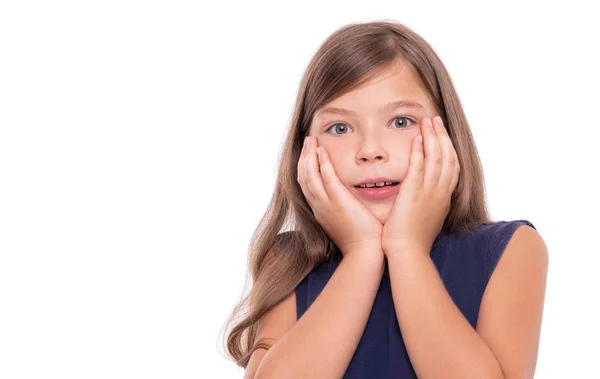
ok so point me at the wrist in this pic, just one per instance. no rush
(407, 251)
(367, 256)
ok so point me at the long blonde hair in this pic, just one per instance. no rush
(279, 259)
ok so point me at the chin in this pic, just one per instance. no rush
(382, 217)
(380, 211)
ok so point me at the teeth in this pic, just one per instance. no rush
(379, 184)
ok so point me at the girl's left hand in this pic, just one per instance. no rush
(423, 199)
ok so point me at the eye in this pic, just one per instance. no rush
(403, 118)
(343, 127)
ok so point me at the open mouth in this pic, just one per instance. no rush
(391, 184)
(378, 192)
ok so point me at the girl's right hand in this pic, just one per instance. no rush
(349, 224)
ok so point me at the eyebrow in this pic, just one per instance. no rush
(406, 103)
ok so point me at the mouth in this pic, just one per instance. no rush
(373, 185)
(378, 192)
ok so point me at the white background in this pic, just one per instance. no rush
(138, 150)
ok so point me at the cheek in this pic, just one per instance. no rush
(340, 162)
(343, 163)
(401, 157)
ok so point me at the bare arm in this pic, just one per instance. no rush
(439, 339)
(322, 342)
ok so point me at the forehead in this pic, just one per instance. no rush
(397, 84)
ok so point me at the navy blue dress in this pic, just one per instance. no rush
(465, 264)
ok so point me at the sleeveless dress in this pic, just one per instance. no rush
(465, 264)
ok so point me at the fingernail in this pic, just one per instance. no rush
(305, 141)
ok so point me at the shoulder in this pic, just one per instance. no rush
(500, 231)
(519, 244)
(503, 239)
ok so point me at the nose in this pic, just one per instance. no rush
(371, 151)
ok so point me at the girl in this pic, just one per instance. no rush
(392, 267)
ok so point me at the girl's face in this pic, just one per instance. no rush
(369, 136)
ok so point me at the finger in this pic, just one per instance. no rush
(455, 178)
(416, 164)
(433, 157)
(446, 152)
(450, 179)
(332, 184)
(312, 171)
(302, 175)
(456, 172)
